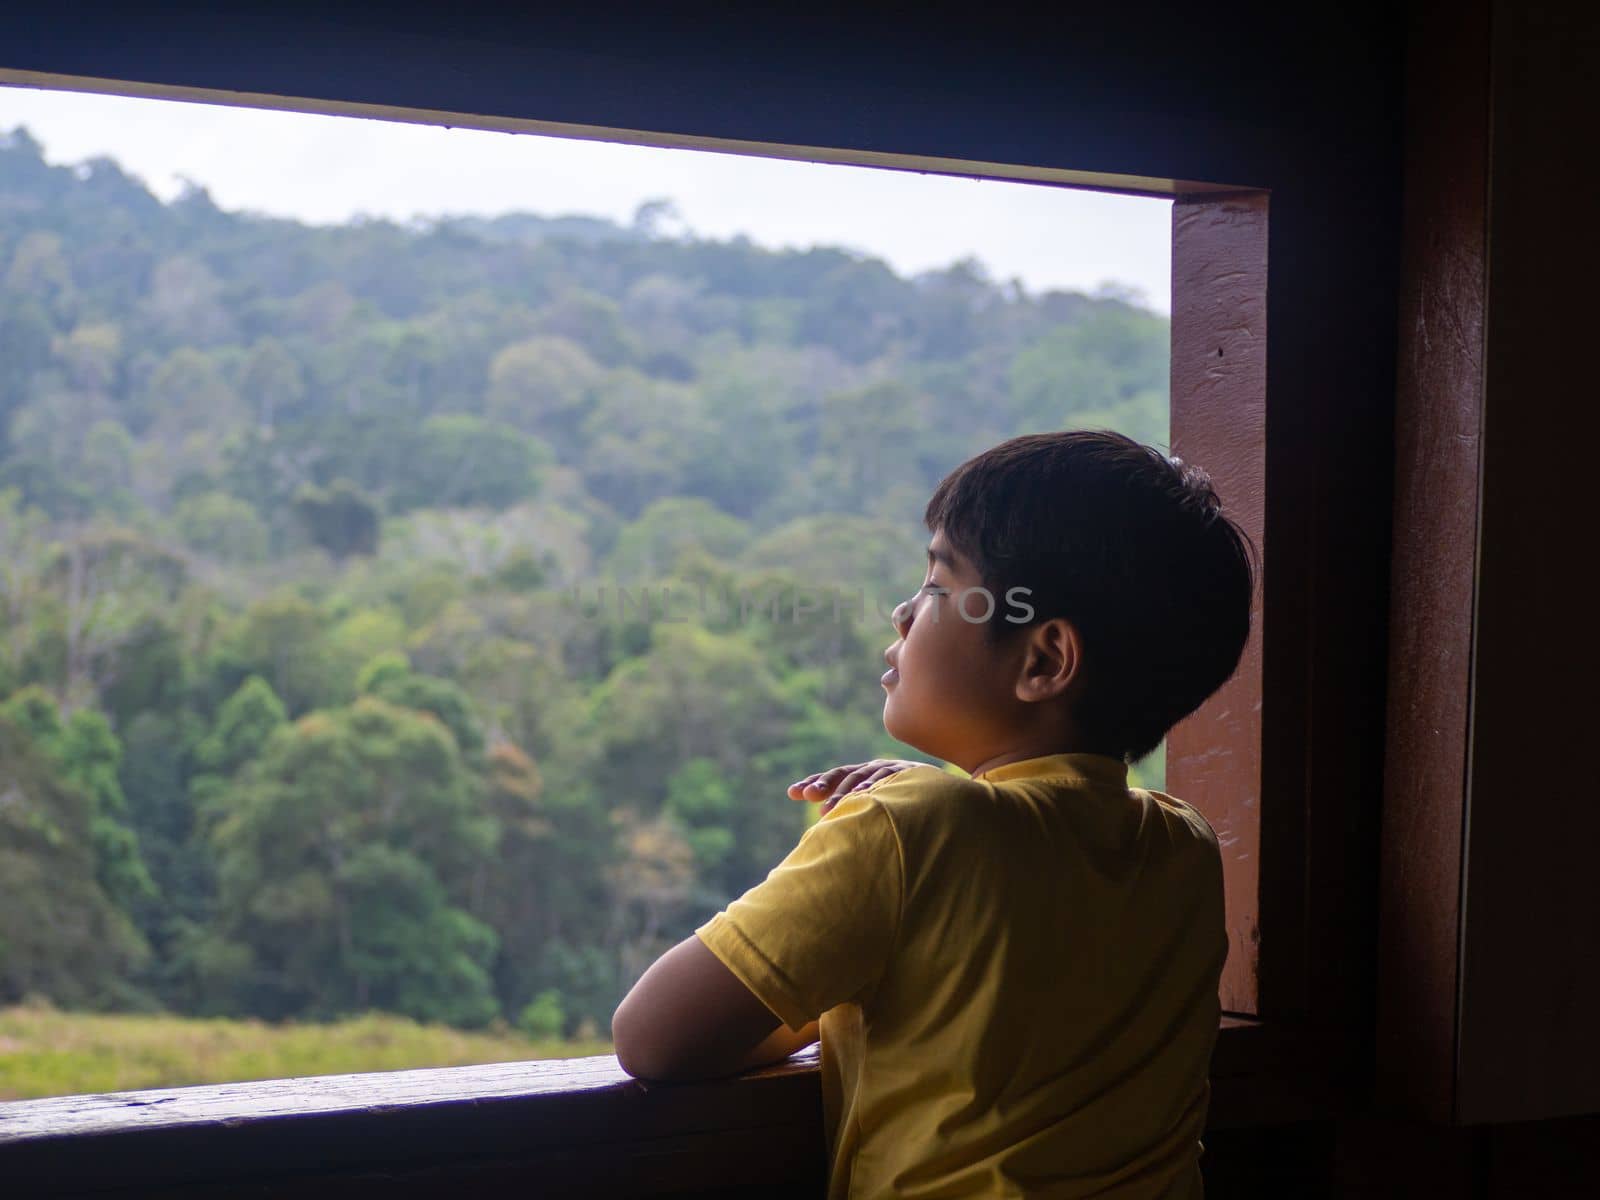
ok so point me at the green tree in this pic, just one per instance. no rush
(1108, 367)
(517, 889)
(92, 356)
(24, 550)
(340, 518)
(25, 335)
(61, 935)
(389, 677)
(154, 773)
(462, 461)
(185, 297)
(855, 308)
(85, 754)
(702, 800)
(92, 596)
(222, 527)
(108, 456)
(639, 439)
(543, 1016)
(648, 548)
(188, 393)
(845, 553)
(342, 866)
(272, 383)
(651, 889)
(245, 724)
(593, 322)
(41, 271)
(543, 386)
(281, 638)
(871, 440)
(700, 695)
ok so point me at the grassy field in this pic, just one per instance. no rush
(49, 1053)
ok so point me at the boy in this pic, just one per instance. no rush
(1013, 974)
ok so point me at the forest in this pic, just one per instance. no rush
(311, 703)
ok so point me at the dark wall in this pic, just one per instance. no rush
(1138, 88)
(1531, 970)
(1491, 907)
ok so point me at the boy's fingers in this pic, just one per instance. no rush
(832, 776)
(823, 784)
(816, 778)
(826, 781)
(877, 769)
(855, 780)
(834, 783)
(867, 778)
(854, 776)
(800, 788)
(862, 776)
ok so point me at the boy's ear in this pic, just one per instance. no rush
(1050, 660)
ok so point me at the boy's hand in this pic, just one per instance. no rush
(834, 784)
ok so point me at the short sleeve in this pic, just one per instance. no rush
(819, 929)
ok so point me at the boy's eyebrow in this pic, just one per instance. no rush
(940, 556)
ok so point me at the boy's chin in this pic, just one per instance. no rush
(891, 719)
(907, 735)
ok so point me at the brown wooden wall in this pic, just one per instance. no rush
(1530, 1041)
(1491, 903)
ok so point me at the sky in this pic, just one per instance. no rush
(324, 169)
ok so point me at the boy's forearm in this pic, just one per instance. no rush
(777, 1046)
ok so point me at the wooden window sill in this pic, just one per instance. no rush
(578, 1126)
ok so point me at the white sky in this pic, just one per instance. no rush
(327, 169)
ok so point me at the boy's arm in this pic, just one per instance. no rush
(780, 1044)
(689, 1017)
(817, 932)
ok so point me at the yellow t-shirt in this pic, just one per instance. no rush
(1016, 978)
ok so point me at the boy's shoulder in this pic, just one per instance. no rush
(922, 783)
(1188, 814)
(920, 794)
(929, 795)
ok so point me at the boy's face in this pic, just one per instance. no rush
(949, 692)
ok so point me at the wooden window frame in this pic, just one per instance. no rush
(1219, 422)
(583, 1122)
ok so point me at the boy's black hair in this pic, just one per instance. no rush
(1131, 547)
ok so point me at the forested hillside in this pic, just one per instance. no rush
(308, 704)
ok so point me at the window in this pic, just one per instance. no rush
(375, 453)
(1219, 238)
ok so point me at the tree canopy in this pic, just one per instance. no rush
(408, 616)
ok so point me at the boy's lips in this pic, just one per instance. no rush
(892, 675)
